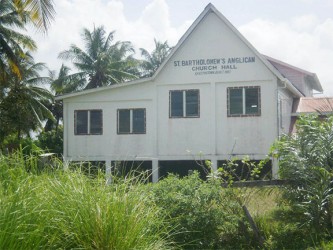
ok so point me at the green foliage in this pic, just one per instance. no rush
(239, 170)
(311, 146)
(12, 172)
(41, 12)
(284, 229)
(67, 210)
(23, 107)
(306, 159)
(27, 145)
(51, 141)
(12, 43)
(152, 61)
(323, 245)
(202, 215)
(260, 200)
(103, 62)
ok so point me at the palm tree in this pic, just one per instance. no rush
(154, 59)
(12, 43)
(61, 84)
(24, 106)
(65, 82)
(16, 14)
(22, 101)
(102, 62)
(40, 12)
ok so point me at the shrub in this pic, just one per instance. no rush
(12, 143)
(306, 159)
(201, 214)
(51, 141)
(245, 169)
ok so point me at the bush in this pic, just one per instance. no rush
(51, 141)
(306, 159)
(11, 144)
(201, 214)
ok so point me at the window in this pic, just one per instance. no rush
(244, 101)
(88, 122)
(131, 121)
(184, 103)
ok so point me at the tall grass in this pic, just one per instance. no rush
(260, 200)
(66, 209)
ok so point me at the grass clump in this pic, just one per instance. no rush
(66, 209)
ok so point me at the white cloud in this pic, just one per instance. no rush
(310, 49)
(74, 15)
(306, 1)
(156, 16)
(325, 32)
(304, 23)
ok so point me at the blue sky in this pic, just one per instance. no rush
(299, 32)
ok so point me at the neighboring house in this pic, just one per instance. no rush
(320, 106)
(214, 97)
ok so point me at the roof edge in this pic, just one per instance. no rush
(95, 90)
(316, 81)
(207, 9)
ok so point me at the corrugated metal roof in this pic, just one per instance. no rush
(310, 77)
(307, 105)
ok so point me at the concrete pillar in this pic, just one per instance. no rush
(66, 128)
(214, 164)
(155, 170)
(108, 172)
(65, 163)
(275, 168)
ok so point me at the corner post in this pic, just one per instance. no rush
(108, 172)
(214, 164)
(275, 168)
(155, 170)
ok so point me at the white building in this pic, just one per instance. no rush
(214, 97)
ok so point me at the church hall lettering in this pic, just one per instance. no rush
(214, 65)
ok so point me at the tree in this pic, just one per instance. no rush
(64, 82)
(61, 84)
(17, 14)
(102, 63)
(24, 106)
(40, 12)
(12, 43)
(22, 101)
(154, 59)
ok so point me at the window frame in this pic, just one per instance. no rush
(244, 114)
(184, 103)
(88, 122)
(131, 120)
